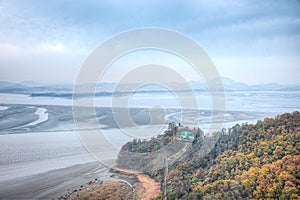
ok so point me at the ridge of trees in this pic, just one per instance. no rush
(248, 161)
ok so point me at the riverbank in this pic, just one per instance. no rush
(124, 184)
(53, 184)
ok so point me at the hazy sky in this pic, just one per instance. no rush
(250, 41)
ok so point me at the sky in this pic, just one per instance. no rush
(251, 41)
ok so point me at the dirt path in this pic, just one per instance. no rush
(149, 187)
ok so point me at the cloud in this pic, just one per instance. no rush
(44, 63)
(56, 47)
(40, 32)
(253, 70)
(9, 51)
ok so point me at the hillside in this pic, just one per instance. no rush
(259, 161)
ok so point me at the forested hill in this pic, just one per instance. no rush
(260, 161)
(249, 162)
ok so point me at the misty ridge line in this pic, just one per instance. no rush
(35, 89)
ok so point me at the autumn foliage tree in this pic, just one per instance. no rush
(249, 161)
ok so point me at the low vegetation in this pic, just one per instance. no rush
(112, 190)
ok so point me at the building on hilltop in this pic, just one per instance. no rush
(184, 133)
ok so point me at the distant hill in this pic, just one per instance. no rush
(35, 88)
(29, 83)
(291, 88)
(29, 87)
(268, 86)
(4, 84)
(230, 84)
(10, 87)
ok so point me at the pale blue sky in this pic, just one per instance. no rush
(250, 41)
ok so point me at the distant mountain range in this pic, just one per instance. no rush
(28, 87)
(231, 85)
(64, 90)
